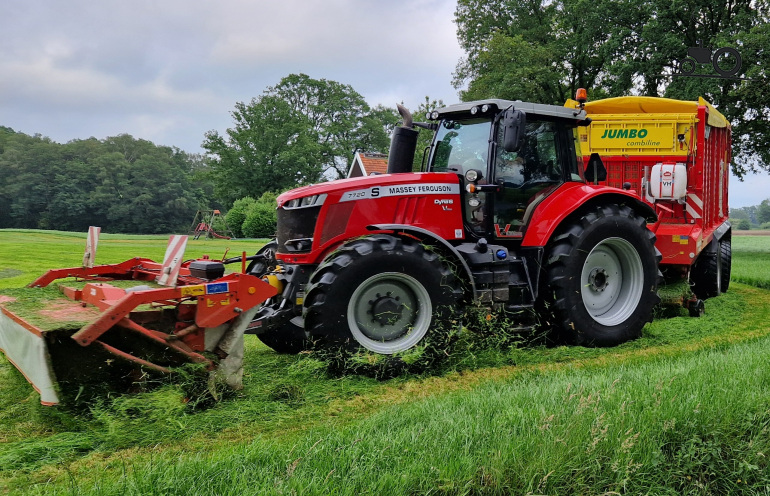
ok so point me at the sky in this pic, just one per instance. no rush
(168, 71)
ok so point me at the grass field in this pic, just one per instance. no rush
(27, 254)
(683, 410)
(751, 260)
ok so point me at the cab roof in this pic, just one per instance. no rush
(554, 111)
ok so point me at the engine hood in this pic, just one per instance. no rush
(340, 186)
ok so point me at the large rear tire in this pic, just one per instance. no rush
(381, 293)
(602, 275)
(289, 338)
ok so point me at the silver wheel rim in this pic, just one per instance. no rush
(389, 312)
(612, 281)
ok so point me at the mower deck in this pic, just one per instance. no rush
(96, 335)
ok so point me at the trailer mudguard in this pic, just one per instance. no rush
(549, 211)
(722, 230)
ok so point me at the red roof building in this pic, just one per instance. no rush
(366, 164)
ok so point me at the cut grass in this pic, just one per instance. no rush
(641, 419)
(662, 427)
(473, 427)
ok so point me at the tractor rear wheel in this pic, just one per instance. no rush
(603, 277)
(706, 274)
(381, 293)
(289, 338)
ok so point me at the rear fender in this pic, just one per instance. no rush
(571, 198)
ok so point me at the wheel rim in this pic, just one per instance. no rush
(389, 312)
(612, 281)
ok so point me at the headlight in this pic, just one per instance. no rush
(307, 201)
(472, 176)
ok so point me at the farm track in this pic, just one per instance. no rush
(751, 233)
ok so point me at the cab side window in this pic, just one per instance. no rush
(526, 172)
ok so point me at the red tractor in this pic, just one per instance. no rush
(503, 215)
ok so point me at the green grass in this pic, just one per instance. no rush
(660, 427)
(681, 411)
(751, 260)
(28, 254)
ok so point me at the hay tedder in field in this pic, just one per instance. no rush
(150, 318)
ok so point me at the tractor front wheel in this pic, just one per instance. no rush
(288, 339)
(603, 277)
(381, 293)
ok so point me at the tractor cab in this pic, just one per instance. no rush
(511, 155)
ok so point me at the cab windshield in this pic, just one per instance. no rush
(462, 145)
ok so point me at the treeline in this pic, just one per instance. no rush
(542, 52)
(120, 183)
(300, 131)
(755, 216)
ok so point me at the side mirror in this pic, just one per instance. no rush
(513, 123)
(595, 170)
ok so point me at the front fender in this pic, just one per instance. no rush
(549, 213)
(433, 238)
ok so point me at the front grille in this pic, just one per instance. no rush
(296, 224)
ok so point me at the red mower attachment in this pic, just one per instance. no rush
(96, 335)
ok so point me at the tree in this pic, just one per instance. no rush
(425, 137)
(142, 187)
(120, 183)
(542, 50)
(269, 148)
(763, 212)
(297, 132)
(237, 214)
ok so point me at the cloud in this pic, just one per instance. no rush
(751, 191)
(175, 69)
(170, 71)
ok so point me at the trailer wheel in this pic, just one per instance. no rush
(603, 277)
(726, 252)
(706, 274)
(382, 293)
(288, 339)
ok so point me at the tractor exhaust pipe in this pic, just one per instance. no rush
(403, 144)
